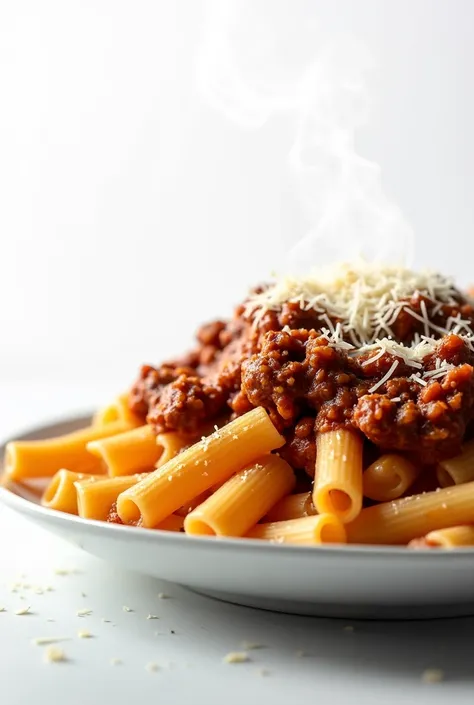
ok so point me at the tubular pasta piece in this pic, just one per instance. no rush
(458, 470)
(125, 413)
(404, 519)
(322, 528)
(106, 415)
(95, 497)
(60, 494)
(244, 499)
(173, 443)
(27, 459)
(127, 453)
(338, 477)
(388, 477)
(294, 506)
(214, 459)
(452, 537)
(172, 523)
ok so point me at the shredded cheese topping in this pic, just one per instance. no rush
(361, 302)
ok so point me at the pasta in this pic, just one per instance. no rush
(217, 457)
(27, 459)
(451, 537)
(404, 519)
(388, 477)
(332, 407)
(61, 493)
(243, 500)
(338, 481)
(457, 470)
(127, 453)
(322, 528)
(96, 496)
(294, 506)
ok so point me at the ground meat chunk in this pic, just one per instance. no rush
(431, 424)
(186, 404)
(300, 448)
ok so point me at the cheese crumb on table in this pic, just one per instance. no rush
(152, 667)
(163, 596)
(84, 613)
(432, 675)
(127, 609)
(115, 661)
(84, 634)
(152, 616)
(54, 655)
(23, 610)
(44, 640)
(236, 657)
(251, 645)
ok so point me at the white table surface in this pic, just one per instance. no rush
(301, 659)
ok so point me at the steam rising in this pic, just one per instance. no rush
(262, 57)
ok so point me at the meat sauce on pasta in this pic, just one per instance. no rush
(332, 408)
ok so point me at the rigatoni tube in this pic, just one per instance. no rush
(322, 528)
(404, 519)
(27, 459)
(127, 453)
(388, 477)
(457, 470)
(243, 500)
(96, 496)
(60, 494)
(294, 506)
(196, 469)
(338, 476)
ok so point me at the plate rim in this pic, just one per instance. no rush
(14, 501)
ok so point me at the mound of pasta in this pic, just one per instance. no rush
(332, 408)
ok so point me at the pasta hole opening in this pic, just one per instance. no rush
(53, 490)
(340, 501)
(330, 533)
(128, 510)
(198, 527)
(444, 478)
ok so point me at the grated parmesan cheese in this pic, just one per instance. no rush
(366, 300)
(54, 655)
(236, 657)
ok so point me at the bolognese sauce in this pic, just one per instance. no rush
(386, 352)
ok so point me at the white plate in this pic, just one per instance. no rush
(333, 581)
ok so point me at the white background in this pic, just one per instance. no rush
(131, 210)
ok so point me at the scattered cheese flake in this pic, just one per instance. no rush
(250, 645)
(64, 571)
(163, 596)
(3, 609)
(23, 610)
(152, 667)
(54, 655)
(127, 609)
(84, 634)
(432, 675)
(115, 661)
(44, 640)
(84, 612)
(236, 657)
(152, 616)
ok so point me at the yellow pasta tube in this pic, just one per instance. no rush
(60, 494)
(243, 500)
(127, 453)
(388, 477)
(172, 523)
(452, 537)
(322, 528)
(125, 413)
(213, 459)
(338, 477)
(106, 415)
(172, 443)
(457, 470)
(96, 496)
(293, 506)
(27, 459)
(404, 519)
